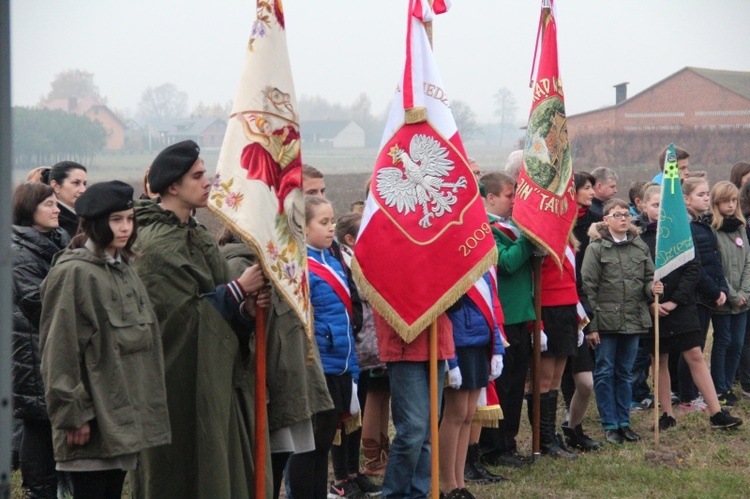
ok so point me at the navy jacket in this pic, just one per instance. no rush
(712, 280)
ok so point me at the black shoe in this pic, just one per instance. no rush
(487, 474)
(576, 439)
(725, 401)
(495, 458)
(465, 494)
(472, 471)
(629, 435)
(366, 486)
(731, 397)
(613, 436)
(666, 422)
(723, 419)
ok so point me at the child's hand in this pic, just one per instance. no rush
(657, 288)
(721, 299)
(252, 279)
(592, 339)
(79, 436)
(454, 378)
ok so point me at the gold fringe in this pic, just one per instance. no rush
(408, 332)
(488, 416)
(415, 115)
(353, 423)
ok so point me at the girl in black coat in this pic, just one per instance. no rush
(679, 327)
(36, 239)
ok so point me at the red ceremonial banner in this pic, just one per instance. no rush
(545, 207)
(424, 238)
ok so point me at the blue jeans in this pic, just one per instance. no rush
(408, 471)
(729, 336)
(613, 378)
(641, 367)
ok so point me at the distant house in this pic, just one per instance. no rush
(95, 111)
(705, 110)
(332, 133)
(208, 133)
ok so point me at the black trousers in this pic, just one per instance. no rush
(106, 484)
(308, 471)
(38, 460)
(510, 390)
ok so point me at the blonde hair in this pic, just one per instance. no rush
(653, 189)
(689, 185)
(724, 191)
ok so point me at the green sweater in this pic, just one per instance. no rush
(514, 278)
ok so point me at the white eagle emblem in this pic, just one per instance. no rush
(422, 180)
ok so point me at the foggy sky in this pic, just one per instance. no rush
(341, 48)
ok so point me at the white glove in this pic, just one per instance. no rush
(496, 366)
(454, 378)
(354, 407)
(543, 342)
(580, 337)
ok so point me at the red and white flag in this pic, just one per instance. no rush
(424, 238)
(545, 207)
(257, 190)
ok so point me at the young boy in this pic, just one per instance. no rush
(514, 284)
(617, 275)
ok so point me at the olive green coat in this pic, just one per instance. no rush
(102, 360)
(296, 384)
(208, 381)
(617, 279)
(736, 262)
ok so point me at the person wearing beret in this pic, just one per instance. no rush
(206, 321)
(102, 361)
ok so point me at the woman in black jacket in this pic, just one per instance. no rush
(679, 327)
(36, 239)
(68, 179)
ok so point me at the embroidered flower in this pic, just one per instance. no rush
(232, 199)
(217, 181)
(273, 250)
(289, 270)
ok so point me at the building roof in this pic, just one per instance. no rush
(185, 127)
(734, 81)
(323, 129)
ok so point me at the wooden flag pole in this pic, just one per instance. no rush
(656, 369)
(536, 263)
(435, 455)
(260, 402)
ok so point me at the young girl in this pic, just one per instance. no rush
(331, 302)
(102, 357)
(712, 287)
(679, 327)
(36, 239)
(68, 179)
(479, 358)
(730, 319)
(578, 379)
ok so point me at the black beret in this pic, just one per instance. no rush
(171, 164)
(104, 198)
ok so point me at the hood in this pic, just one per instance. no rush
(81, 254)
(149, 212)
(45, 245)
(599, 231)
(237, 250)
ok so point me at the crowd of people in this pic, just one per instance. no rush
(133, 340)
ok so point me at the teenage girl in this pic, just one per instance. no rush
(331, 302)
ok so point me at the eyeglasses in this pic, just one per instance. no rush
(617, 216)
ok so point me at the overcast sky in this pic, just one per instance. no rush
(341, 48)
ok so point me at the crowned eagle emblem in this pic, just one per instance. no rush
(422, 182)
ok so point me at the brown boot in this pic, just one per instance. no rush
(374, 465)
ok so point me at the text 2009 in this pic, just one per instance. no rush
(473, 240)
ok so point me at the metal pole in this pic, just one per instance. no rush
(6, 180)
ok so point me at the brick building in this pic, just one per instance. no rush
(706, 111)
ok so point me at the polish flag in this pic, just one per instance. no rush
(424, 239)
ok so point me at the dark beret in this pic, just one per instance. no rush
(171, 164)
(104, 198)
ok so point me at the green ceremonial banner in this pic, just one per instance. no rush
(674, 241)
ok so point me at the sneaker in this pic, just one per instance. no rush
(628, 434)
(637, 407)
(732, 397)
(723, 419)
(695, 405)
(648, 402)
(745, 393)
(666, 422)
(365, 485)
(345, 490)
(675, 399)
(725, 401)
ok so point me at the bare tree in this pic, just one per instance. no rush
(505, 110)
(466, 119)
(215, 110)
(74, 83)
(163, 102)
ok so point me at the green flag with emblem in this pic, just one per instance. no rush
(674, 240)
